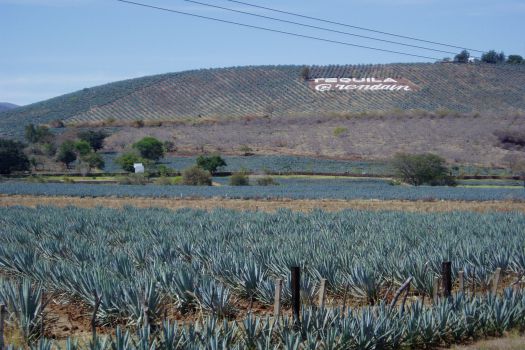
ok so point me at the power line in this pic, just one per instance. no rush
(275, 30)
(352, 26)
(317, 27)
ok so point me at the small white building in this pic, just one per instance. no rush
(139, 168)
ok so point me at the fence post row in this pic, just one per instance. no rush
(3, 311)
(277, 300)
(296, 294)
(322, 293)
(446, 272)
(461, 281)
(435, 289)
(495, 280)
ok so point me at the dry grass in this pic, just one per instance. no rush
(511, 342)
(266, 205)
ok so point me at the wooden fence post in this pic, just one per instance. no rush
(435, 288)
(296, 294)
(495, 280)
(277, 299)
(3, 311)
(446, 274)
(461, 281)
(98, 300)
(322, 293)
(404, 286)
(474, 282)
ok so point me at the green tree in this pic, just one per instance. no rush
(518, 169)
(462, 57)
(305, 72)
(211, 163)
(83, 148)
(94, 160)
(127, 160)
(515, 59)
(94, 138)
(196, 176)
(12, 157)
(67, 153)
(150, 148)
(493, 57)
(38, 134)
(419, 169)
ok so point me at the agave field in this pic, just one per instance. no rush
(276, 164)
(154, 278)
(288, 189)
(241, 91)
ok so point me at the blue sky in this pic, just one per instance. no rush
(52, 47)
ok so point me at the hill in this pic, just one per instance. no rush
(4, 106)
(281, 91)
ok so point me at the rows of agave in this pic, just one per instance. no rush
(289, 188)
(146, 263)
(453, 320)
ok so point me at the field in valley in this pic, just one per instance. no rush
(170, 278)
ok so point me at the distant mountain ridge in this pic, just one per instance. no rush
(5, 106)
(281, 91)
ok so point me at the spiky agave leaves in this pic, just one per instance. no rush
(184, 285)
(143, 302)
(364, 284)
(215, 298)
(121, 340)
(26, 303)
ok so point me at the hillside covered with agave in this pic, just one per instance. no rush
(280, 91)
(206, 280)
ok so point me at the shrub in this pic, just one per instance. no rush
(82, 147)
(305, 73)
(12, 157)
(150, 148)
(239, 179)
(515, 59)
(267, 181)
(246, 150)
(339, 131)
(49, 149)
(493, 57)
(196, 176)
(133, 179)
(166, 181)
(94, 138)
(94, 160)
(163, 170)
(419, 169)
(137, 123)
(38, 134)
(127, 160)
(109, 121)
(169, 146)
(57, 123)
(462, 57)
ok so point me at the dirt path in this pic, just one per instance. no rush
(264, 205)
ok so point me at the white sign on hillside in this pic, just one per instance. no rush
(362, 84)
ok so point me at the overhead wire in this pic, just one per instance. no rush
(353, 26)
(274, 30)
(493, 66)
(317, 27)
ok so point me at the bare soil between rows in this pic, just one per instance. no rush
(264, 205)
